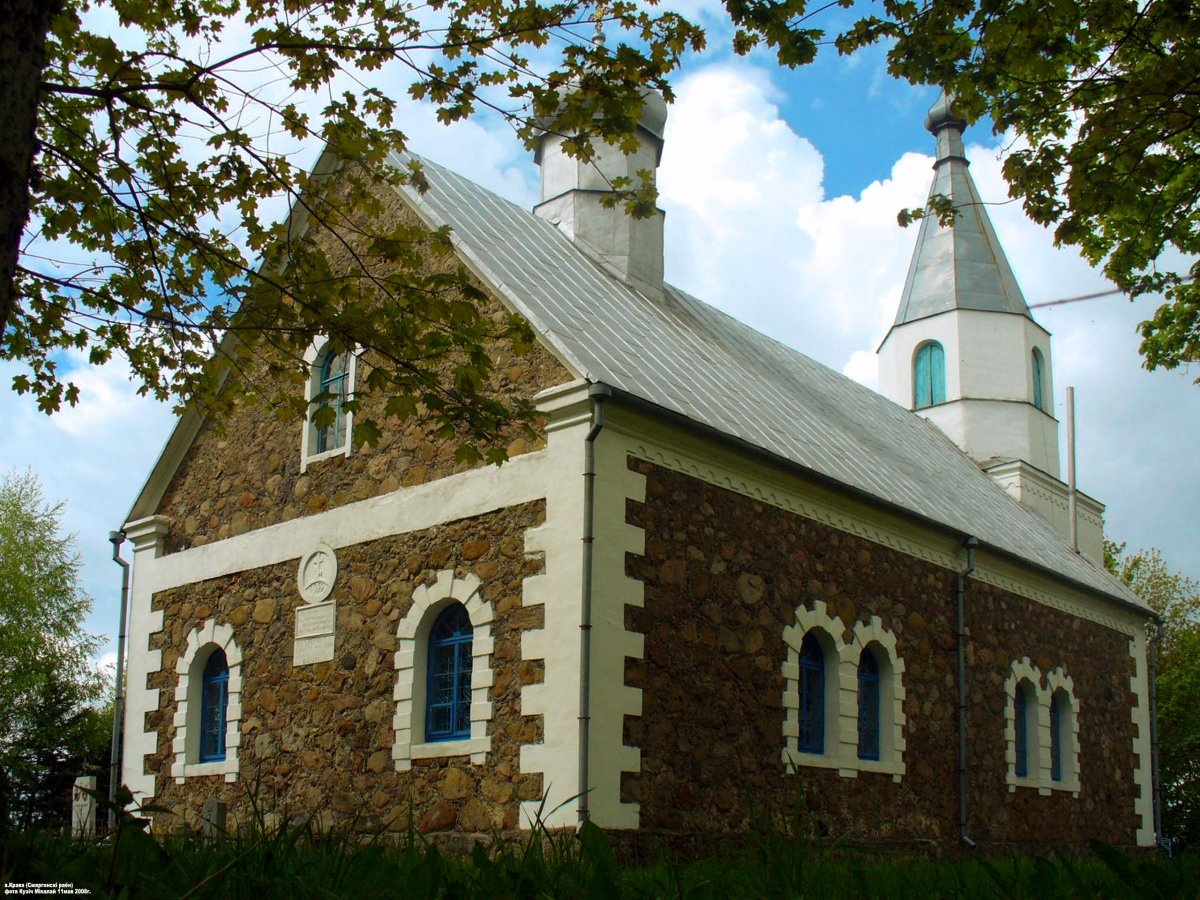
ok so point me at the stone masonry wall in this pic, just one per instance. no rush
(246, 475)
(723, 575)
(318, 738)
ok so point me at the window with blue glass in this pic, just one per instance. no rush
(332, 386)
(929, 375)
(1057, 721)
(1039, 379)
(812, 696)
(214, 703)
(868, 705)
(1022, 708)
(448, 688)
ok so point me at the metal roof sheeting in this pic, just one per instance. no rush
(687, 357)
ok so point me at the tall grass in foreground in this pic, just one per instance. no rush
(299, 861)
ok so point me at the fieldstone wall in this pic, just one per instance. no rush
(723, 575)
(317, 739)
(245, 474)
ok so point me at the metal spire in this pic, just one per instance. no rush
(959, 266)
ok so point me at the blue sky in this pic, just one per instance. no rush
(781, 191)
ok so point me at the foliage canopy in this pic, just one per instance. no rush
(149, 138)
(47, 682)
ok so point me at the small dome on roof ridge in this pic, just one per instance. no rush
(942, 115)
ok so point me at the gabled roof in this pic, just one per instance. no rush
(686, 357)
(962, 266)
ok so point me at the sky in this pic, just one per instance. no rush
(781, 191)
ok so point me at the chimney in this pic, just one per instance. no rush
(630, 249)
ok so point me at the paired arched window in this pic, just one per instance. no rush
(1039, 380)
(812, 696)
(1042, 733)
(868, 705)
(929, 375)
(214, 705)
(448, 690)
(332, 389)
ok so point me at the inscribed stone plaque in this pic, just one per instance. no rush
(318, 571)
(315, 626)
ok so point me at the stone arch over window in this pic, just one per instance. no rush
(812, 664)
(929, 375)
(1039, 379)
(871, 637)
(198, 668)
(330, 388)
(1064, 731)
(412, 671)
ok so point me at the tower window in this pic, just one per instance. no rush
(448, 693)
(214, 702)
(1039, 380)
(929, 375)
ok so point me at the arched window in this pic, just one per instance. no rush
(1024, 710)
(214, 703)
(448, 690)
(929, 375)
(812, 696)
(1061, 736)
(868, 705)
(332, 387)
(1039, 380)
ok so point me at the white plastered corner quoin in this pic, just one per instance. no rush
(412, 633)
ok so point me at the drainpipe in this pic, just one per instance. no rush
(970, 543)
(114, 770)
(598, 393)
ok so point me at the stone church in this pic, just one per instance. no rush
(722, 580)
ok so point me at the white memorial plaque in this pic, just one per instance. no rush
(318, 572)
(315, 626)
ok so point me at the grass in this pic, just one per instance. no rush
(301, 861)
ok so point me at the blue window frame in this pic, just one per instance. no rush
(334, 382)
(868, 705)
(214, 702)
(1056, 743)
(812, 696)
(1039, 370)
(929, 375)
(1021, 727)
(448, 682)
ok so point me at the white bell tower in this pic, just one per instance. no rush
(965, 352)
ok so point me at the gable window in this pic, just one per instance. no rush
(214, 700)
(1039, 380)
(929, 375)
(812, 696)
(329, 424)
(448, 693)
(868, 705)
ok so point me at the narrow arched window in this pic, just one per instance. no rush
(929, 375)
(812, 696)
(868, 705)
(448, 690)
(214, 701)
(1022, 708)
(1039, 379)
(332, 386)
(1059, 718)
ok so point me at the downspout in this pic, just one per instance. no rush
(114, 770)
(970, 543)
(598, 393)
